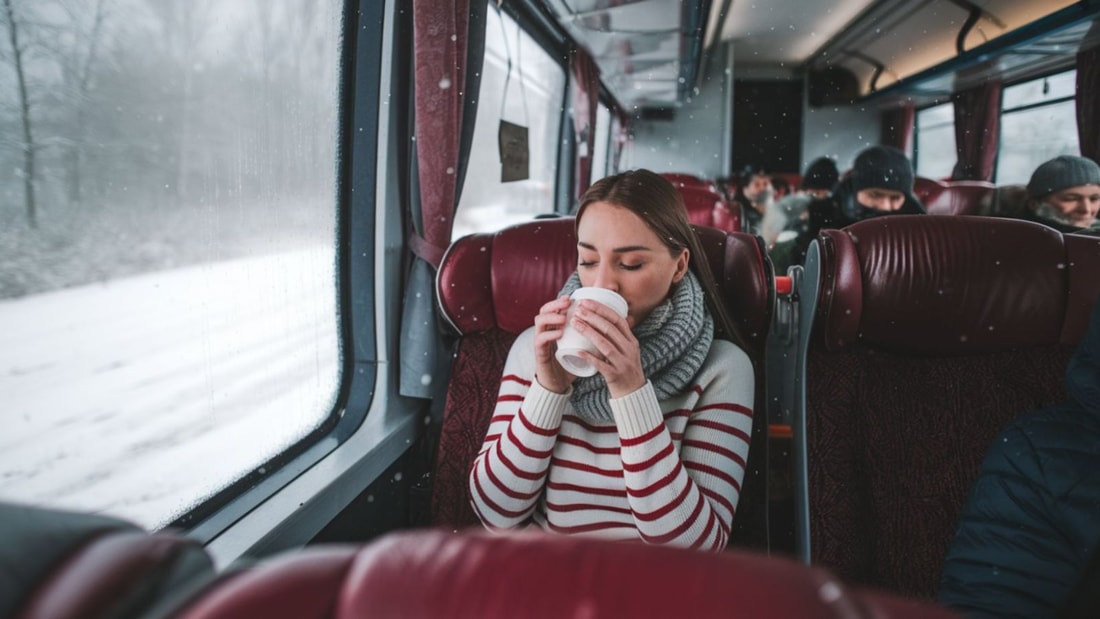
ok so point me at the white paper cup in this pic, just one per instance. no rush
(572, 342)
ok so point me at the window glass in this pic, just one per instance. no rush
(935, 143)
(1030, 137)
(1038, 122)
(167, 249)
(602, 144)
(1049, 88)
(535, 92)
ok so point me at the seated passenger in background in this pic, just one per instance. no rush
(1064, 193)
(880, 183)
(1031, 525)
(789, 213)
(653, 446)
(755, 194)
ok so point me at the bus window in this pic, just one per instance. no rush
(1038, 123)
(522, 84)
(935, 143)
(602, 147)
(167, 294)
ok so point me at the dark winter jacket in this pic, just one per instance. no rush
(1032, 522)
(837, 211)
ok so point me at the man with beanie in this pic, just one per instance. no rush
(1064, 193)
(880, 183)
(820, 177)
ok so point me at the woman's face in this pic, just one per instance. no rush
(618, 251)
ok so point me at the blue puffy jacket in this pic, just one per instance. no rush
(1032, 522)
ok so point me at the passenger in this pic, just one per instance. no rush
(1064, 193)
(1031, 526)
(756, 195)
(653, 446)
(781, 188)
(789, 213)
(880, 183)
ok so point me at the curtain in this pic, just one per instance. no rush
(977, 131)
(446, 36)
(586, 91)
(897, 127)
(1088, 98)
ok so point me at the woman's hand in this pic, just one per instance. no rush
(620, 359)
(548, 330)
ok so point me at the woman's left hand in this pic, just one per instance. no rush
(620, 358)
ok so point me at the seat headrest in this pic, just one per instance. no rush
(501, 279)
(529, 573)
(953, 285)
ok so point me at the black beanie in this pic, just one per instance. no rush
(1062, 173)
(820, 174)
(882, 167)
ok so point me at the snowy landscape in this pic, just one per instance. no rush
(140, 396)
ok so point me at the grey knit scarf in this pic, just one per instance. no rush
(674, 340)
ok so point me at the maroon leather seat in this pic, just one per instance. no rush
(433, 573)
(490, 287)
(930, 334)
(684, 179)
(954, 197)
(708, 207)
(62, 565)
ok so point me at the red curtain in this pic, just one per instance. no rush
(1088, 98)
(977, 131)
(440, 36)
(586, 91)
(897, 127)
(447, 36)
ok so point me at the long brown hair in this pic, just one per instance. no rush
(653, 199)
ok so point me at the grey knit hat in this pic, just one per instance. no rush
(882, 167)
(1062, 172)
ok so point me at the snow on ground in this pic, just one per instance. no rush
(141, 396)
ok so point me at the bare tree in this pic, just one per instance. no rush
(25, 114)
(78, 60)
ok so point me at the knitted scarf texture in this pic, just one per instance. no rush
(674, 340)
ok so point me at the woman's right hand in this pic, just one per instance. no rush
(548, 330)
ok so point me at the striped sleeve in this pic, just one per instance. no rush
(688, 497)
(508, 475)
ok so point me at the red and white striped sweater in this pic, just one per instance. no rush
(666, 472)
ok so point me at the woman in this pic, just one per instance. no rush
(653, 446)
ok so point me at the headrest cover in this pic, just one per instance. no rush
(942, 285)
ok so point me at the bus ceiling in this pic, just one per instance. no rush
(651, 53)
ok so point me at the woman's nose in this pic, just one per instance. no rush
(605, 278)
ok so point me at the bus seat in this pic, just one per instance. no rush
(929, 335)
(926, 189)
(490, 287)
(684, 179)
(61, 565)
(957, 197)
(432, 573)
(708, 207)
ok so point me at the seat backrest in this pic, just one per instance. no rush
(708, 207)
(432, 573)
(929, 335)
(684, 179)
(490, 288)
(958, 197)
(59, 564)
